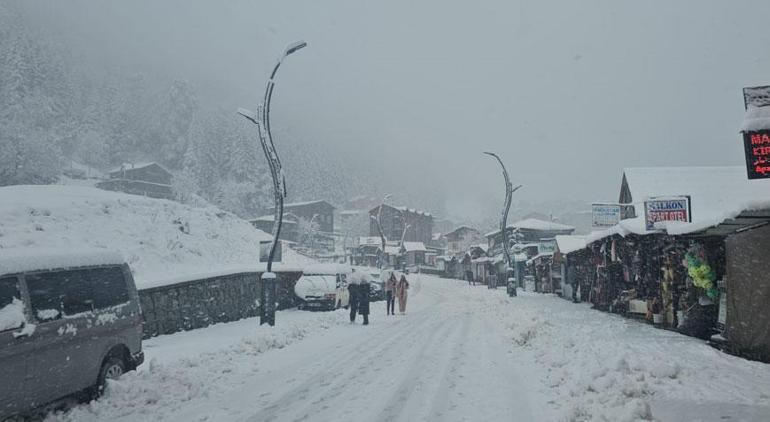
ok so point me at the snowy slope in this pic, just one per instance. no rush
(163, 241)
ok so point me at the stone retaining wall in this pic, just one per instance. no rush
(200, 303)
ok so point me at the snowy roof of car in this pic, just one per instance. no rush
(23, 260)
(570, 243)
(327, 269)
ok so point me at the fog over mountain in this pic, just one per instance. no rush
(389, 97)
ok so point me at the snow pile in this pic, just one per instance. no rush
(604, 367)
(162, 241)
(161, 387)
(12, 315)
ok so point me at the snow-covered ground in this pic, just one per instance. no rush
(459, 354)
(163, 241)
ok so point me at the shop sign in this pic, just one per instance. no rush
(546, 247)
(605, 215)
(756, 96)
(264, 250)
(675, 208)
(756, 145)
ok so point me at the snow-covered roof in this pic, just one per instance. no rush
(299, 204)
(570, 243)
(351, 212)
(402, 209)
(415, 247)
(756, 118)
(716, 193)
(482, 246)
(461, 228)
(535, 224)
(17, 261)
(134, 166)
(370, 240)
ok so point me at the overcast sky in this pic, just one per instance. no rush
(566, 92)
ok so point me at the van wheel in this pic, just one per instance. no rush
(112, 369)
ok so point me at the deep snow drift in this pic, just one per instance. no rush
(460, 353)
(163, 241)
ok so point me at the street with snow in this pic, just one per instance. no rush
(460, 353)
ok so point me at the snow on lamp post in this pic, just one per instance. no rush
(262, 120)
(509, 190)
(378, 223)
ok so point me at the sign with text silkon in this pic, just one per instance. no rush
(756, 145)
(674, 208)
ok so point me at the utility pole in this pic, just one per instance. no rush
(262, 120)
(509, 190)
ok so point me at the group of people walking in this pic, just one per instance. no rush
(359, 291)
(396, 290)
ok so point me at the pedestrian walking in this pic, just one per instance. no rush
(401, 293)
(469, 277)
(353, 290)
(390, 295)
(363, 299)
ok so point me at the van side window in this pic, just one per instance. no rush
(11, 306)
(109, 286)
(71, 292)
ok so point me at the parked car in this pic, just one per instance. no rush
(324, 287)
(67, 324)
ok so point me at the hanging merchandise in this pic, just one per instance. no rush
(700, 271)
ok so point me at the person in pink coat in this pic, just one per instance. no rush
(401, 293)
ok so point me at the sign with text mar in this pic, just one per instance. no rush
(675, 208)
(757, 148)
(605, 215)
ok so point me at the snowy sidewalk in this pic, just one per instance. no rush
(460, 354)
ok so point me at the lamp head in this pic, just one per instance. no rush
(294, 47)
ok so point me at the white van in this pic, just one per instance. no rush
(324, 287)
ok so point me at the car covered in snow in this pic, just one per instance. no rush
(68, 323)
(323, 287)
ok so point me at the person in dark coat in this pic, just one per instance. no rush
(363, 300)
(353, 290)
(390, 294)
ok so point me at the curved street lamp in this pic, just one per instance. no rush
(509, 190)
(378, 223)
(262, 120)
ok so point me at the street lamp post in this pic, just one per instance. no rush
(509, 190)
(402, 250)
(262, 120)
(378, 223)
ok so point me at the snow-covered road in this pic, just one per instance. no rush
(460, 353)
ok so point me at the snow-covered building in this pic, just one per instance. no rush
(288, 225)
(530, 230)
(723, 283)
(461, 238)
(402, 222)
(146, 179)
